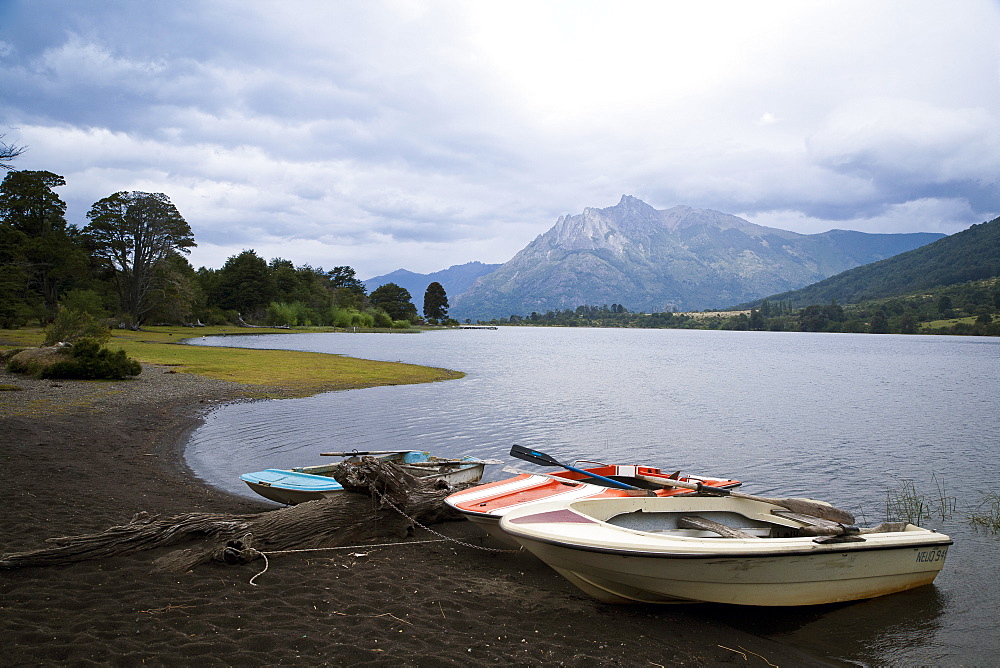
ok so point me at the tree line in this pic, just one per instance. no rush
(970, 308)
(128, 266)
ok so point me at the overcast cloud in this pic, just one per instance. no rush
(418, 135)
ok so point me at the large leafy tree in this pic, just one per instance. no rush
(394, 300)
(435, 302)
(35, 239)
(133, 233)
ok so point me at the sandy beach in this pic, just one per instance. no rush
(79, 457)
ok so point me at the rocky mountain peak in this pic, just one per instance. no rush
(654, 260)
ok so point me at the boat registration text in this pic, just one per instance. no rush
(924, 556)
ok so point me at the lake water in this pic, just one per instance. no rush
(840, 417)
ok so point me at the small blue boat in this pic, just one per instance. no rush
(308, 483)
(290, 486)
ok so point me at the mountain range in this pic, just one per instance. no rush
(455, 280)
(677, 259)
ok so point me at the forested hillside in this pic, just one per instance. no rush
(973, 254)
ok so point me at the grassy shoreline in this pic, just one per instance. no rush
(273, 373)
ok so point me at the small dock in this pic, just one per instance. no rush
(477, 327)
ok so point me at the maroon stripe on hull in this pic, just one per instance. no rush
(561, 516)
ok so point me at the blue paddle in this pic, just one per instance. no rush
(542, 459)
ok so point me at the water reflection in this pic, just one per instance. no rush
(880, 631)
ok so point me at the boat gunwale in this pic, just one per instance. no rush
(294, 475)
(813, 551)
(612, 539)
(544, 481)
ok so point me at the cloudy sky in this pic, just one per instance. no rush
(421, 134)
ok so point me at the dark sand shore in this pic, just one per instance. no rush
(79, 457)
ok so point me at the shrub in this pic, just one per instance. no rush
(216, 316)
(71, 324)
(340, 317)
(400, 324)
(281, 314)
(382, 319)
(91, 361)
(88, 301)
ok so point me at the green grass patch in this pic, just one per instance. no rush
(276, 372)
(28, 337)
(950, 322)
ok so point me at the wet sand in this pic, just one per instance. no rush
(79, 457)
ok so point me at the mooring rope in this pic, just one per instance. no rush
(441, 535)
(251, 552)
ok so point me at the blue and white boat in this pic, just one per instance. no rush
(308, 483)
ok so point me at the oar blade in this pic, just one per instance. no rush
(814, 509)
(533, 456)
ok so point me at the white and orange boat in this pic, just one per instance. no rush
(485, 504)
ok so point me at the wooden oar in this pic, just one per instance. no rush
(795, 505)
(542, 459)
(441, 462)
(565, 481)
(456, 462)
(573, 483)
(365, 452)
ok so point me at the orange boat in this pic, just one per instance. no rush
(485, 504)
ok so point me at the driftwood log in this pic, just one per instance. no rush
(384, 506)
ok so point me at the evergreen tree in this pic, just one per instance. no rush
(435, 302)
(35, 240)
(244, 284)
(348, 291)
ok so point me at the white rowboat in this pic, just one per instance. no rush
(721, 550)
